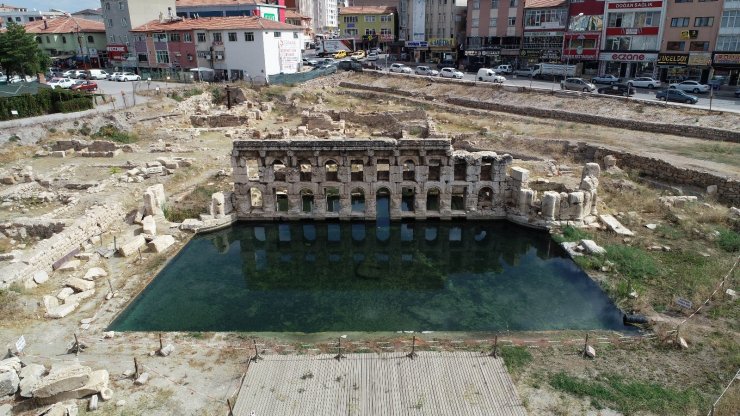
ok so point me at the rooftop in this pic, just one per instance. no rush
(89, 11)
(367, 10)
(216, 23)
(64, 24)
(539, 4)
(292, 14)
(195, 3)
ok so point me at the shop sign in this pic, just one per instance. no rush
(689, 34)
(726, 59)
(636, 5)
(681, 59)
(646, 31)
(628, 56)
(417, 44)
(529, 53)
(550, 54)
(441, 42)
(700, 59)
(117, 52)
(510, 52)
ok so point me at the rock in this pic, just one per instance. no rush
(161, 243)
(51, 302)
(70, 266)
(68, 408)
(30, 377)
(62, 310)
(9, 383)
(93, 404)
(109, 334)
(191, 224)
(590, 352)
(609, 162)
(731, 293)
(87, 320)
(131, 246)
(677, 201)
(98, 380)
(712, 190)
(520, 174)
(682, 343)
(570, 247)
(143, 379)
(106, 394)
(666, 248)
(12, 364)
(94, 273)
(121, 403)
(79, 285)
(592, 248)
(79, 297)
(65, 293)
(129, 372)
(40, 277)
(651, 226)
(149, 226)
(6, 410)
(167, 350)
(615, 225)
(58, 153)
(633, 295)
(62, 378)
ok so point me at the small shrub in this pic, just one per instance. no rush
(14, 138)
(571, 233)
(631, 262)
(115, 170)
(111, 132)
(52, 130)
(729, 240)
(85, 130)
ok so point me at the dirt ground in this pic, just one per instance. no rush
(206, 368)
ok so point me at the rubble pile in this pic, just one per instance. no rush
(159, 167)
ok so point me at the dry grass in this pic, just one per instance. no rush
(15, 152)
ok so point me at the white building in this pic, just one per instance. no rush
(23, 15)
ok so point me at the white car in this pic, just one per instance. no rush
(372, 56)
(690, 86)
(400, 68)
(128, 76)
(450, 73)
(605, 79)
(113, 76)
(486, 74)
(60, 83)
(644, 82)
(69, 73)
(425, 70)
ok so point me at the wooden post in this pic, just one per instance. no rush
(115, 246)
(494, 353)
(231, 409)
(136, 368)
(413, 353)
(256, 353)
(139, 254)
(77, 345)
(160, 341)
(110, 285)
(585, 346)
(339, 355)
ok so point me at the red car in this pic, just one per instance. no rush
(85, 86)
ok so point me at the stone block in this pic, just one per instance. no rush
(95, 273)
(10, 364)
(520, 174)
(218, 205)
(590, 352)
(591, 247)
(51, 302)
(65, 293)
(154, 199)
(30, 377)
(149, 226)
(58, 153)
(131, 246)
(9, 383)
(161, 243)
(609, 162)
(79, 285)
(191, 224)
(69, 266)
(93, 404)
(550, 205)
(40, 277)
(97, 381)
(62, 378)
(6, 409)
(79, 297)
(62, 310)
(615, 225)
(143, 379)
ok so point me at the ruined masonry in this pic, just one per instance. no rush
(421, 178)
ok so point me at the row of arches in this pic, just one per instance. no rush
(357, 199)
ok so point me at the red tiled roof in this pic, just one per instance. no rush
(367, 10)
(191, 3)
(64, 24)
(292, 14)
(216, 23)
(539, 4)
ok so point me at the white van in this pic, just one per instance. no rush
(489, 75)
(98, 74)
(504, 69)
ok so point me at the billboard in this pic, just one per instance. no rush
(418, 20)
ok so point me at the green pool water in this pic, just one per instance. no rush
(324, 276)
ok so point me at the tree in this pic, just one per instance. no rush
(19, 52)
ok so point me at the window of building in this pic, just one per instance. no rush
(699, 46)
(703, 21)
(277, 34)
(512, 21)
(350, 19)
(494, 4)
(187, 37)
(143, 57)
(232, 36)
(476, 4)
(120, 5)
(676, 46)
(545, 17)
(112, 38)
(124, 22)
(351, 32)
(107, 6)
(680, 21)
(201, 37)
(730, 18)
(385, 31)
(38, 39)
(685, 1)
(90, 39)
(49, 40)
(110, 22)
(369, 19)
(386, 18)
(17, 19)
(163, 57)
(475, 22)
(369, 32)
(513, 3)
(64, 39)
(728, 43)
(160, 37)
(217, 37)
(249, 36)
(174, 37)
(493, 22)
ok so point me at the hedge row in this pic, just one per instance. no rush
(46, 101)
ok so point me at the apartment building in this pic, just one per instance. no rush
(726, 56)
(370, 26)
(268, 9)
(583, 35)
(544, 31)
(22, 15)
(429, 29)
(323, 13)
(72, 38)
(494, 32)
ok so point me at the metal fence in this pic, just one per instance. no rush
(298, 77)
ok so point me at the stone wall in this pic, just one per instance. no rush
(94, 221)
(707, 133)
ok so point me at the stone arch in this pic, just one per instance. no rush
(307, 200)
(433, 200)
(333, 199)
(486, 168)
(331, 169)
(278, 170)
(357, 170)
(460, 169)
(282, 203)
(408, 199)
(305, 168)
(485, 199)
(357, 199)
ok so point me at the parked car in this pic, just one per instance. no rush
(372, 56)
(349, 65)
(328, 68)
(445, 63)
(677, 96)
(400, 68)
(3, 78)
(60, 83)
(358, 55)
(486, 74)
(644, 82)
(737, 93)
(98, 74)
(310, 62)
(340, 55)
(114, 76)
(617, 89)
(79, 73)
(128, 76)
(524, 72)
(450, 73)
(605, 79)
(68, 73)
(84, 85)
(577, 84)
(504, 69)
(692, 86)
(425, 70)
